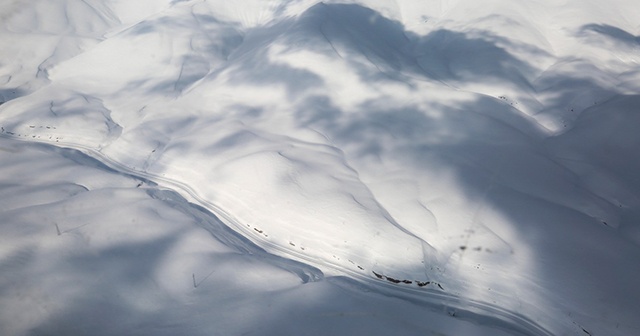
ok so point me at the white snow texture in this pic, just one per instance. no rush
(298, 167)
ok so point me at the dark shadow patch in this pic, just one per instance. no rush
(8, 94)
(611, 33)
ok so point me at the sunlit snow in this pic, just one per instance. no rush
(365, 167)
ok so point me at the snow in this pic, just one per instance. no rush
(287, 167)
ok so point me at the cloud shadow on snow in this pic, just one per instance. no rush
(490, 146)
(613, 33)
(7, 94)
(82, 283)
(354, 31)
(500, 156)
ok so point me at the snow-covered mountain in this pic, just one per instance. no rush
(303, 167)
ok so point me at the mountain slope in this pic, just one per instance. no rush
(439, 149)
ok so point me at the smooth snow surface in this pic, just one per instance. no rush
(302, 167)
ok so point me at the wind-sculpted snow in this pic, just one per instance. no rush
(439, 151)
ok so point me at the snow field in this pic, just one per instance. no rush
(485, 148)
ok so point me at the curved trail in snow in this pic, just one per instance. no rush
(478, 312)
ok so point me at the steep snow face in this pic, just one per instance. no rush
(479, 151)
